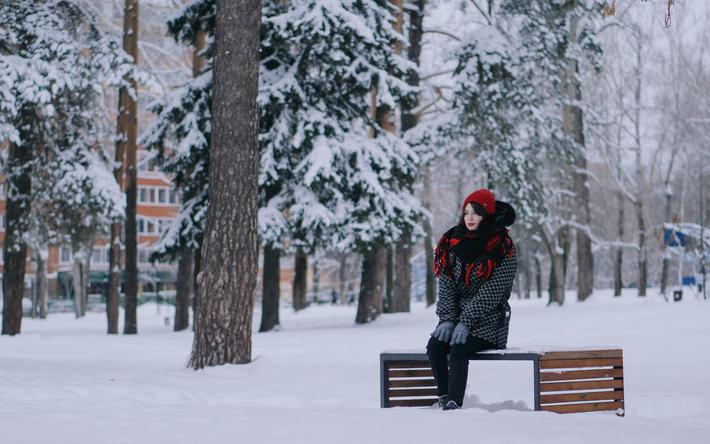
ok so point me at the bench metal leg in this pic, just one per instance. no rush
(536, 379)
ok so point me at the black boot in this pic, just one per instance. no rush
(451, 405)
(443, 399)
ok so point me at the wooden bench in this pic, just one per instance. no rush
(564, 381)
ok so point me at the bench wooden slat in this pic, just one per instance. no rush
(612, 395)
(420, 392)
(587, 407)
(581, 374)
(406, 379)
(406, 383)
(581, 385)
(409, 364)
(581, 354)
(581, 363)
(412, 402)
(410, 373)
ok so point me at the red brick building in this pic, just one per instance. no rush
(158, 204)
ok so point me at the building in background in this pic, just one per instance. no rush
(158, 205)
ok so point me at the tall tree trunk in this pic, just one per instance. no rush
(619, 256)
(557, 279)
(428, 240)
(371, 285)
(230, 250)
(78, 281)
(197, 255)
(525, 264)
(389, 281)
(186, 294)
(573, 124)
(41, 261)
(559, 255)
(668, 194)
(85, 274)
(300, 280)
(316, 279)
(401, 296)
(114, 267)
(642, 259)
(184, 287)
(127, 107)
(403, 248)
(271, 294)
(639, 202)
(342, 277)
(17, 211)
(538, 277)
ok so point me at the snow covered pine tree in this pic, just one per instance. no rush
(54, 62)
(340, 187)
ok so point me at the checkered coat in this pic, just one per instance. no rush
(482, 306)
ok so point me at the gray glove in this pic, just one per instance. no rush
(443, 331)
(460, 334)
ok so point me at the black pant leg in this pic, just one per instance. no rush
(438, 357)
(458, 365)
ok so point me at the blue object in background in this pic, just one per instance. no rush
(673, 238)
(687, 280)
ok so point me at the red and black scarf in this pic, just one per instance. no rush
(478, 252)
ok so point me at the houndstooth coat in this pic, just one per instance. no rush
(482, 306)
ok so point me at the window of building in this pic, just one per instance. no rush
(162, 198)
(152, 195)
(173, 197)
(64, 255)
(143, 194)
(143, 255)
(141, 225)
(99, 255)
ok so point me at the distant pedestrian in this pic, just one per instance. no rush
(475, 262)
(333, 297)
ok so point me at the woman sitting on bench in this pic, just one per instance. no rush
(475, 262)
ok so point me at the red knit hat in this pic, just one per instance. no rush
(484, 198)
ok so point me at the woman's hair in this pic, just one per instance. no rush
(486, 224)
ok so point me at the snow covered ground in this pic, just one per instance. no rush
(316, 380)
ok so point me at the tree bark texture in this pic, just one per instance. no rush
(316, 279)
(342, 277)
(230, 250)
(557, 279)
(389, 281)
(371, 285)
(197, 255)
(619, 253)
(85, 273)
(300, 280)
(642, 257)
(187, 269)
(114, 275)
(428, 239)
(77, 282)
(270, 295)
(184, 287)
(127, 136)
(17, 211)
(401, 294)
(538, 277)
(41, 261)
(573, 124)
(639, 204)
